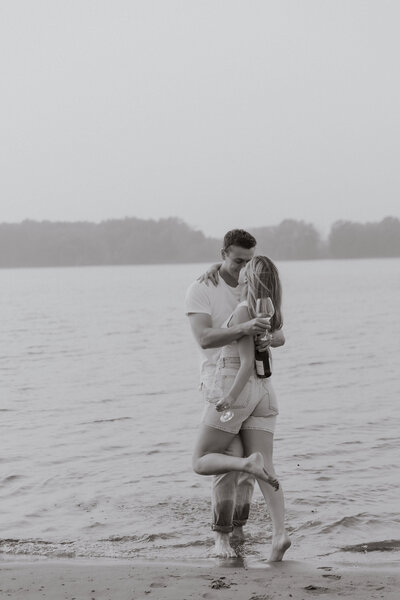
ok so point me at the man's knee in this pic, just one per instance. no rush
(226, 480)
(246, 480)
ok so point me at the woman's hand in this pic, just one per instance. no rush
(224, 403)
(212, 274)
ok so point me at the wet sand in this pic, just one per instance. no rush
(116, 580)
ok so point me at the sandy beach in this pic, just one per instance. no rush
(116, 580)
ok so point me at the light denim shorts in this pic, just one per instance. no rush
(255, 408)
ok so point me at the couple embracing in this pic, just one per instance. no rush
(223, 320)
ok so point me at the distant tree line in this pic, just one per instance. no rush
(354, 240)
(137, 241)
(114, 242)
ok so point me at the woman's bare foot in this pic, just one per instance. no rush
(222, 547)
(279, 546)
(255, 466)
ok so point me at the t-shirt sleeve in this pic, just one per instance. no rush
(197, 299)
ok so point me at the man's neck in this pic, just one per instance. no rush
(228, 278)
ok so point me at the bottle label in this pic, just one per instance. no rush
(260, 368)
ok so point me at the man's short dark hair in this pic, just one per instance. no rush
(239, 237)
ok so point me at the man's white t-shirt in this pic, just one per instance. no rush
(217, 301)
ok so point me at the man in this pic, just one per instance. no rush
(208, 307)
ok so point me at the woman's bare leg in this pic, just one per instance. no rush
(255, 440)
(209, 460)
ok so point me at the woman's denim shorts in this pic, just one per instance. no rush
(255, 408)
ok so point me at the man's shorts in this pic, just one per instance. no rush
(255, 408)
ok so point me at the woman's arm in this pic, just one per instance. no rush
(212, 274)
(246, 354)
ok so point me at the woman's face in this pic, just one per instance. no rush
(242, 281)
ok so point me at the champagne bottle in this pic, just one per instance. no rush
(264, 308)
(263, 364)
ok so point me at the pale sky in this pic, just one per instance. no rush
(224, 113)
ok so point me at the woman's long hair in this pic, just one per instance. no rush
(263, 281)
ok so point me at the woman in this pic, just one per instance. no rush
(235, 385)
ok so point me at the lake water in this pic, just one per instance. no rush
(99, 409)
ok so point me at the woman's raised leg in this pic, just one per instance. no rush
(209, 460)
(256, 440)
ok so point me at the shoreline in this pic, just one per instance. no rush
(123, 579)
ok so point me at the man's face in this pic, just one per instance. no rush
(235, 258)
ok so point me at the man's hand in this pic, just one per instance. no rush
(278, 338)
(264, 342)
(257, 326)
(273, 340)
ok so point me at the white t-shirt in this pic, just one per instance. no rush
(217, 301)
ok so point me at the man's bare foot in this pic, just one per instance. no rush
(279, 546)
(255, 465)
(222, 546)
(238, 534)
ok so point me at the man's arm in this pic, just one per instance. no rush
(211, 337)
(278, 338)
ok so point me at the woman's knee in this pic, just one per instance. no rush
(257, 440)
(197, 464)
(268, 461)
(269, 466)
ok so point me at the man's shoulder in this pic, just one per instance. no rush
(196, 284)
(198, 298)
(199, 288)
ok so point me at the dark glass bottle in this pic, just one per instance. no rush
(263, 364)
(264, 308)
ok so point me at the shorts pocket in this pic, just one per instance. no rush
(244, 397)
(268, 404)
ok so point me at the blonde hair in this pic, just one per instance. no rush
(263, 281)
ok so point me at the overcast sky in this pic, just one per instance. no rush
(224, 113)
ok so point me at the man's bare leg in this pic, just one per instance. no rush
(222, 547)
(244, 495)
(238, 535)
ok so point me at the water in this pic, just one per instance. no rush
(99, 410)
